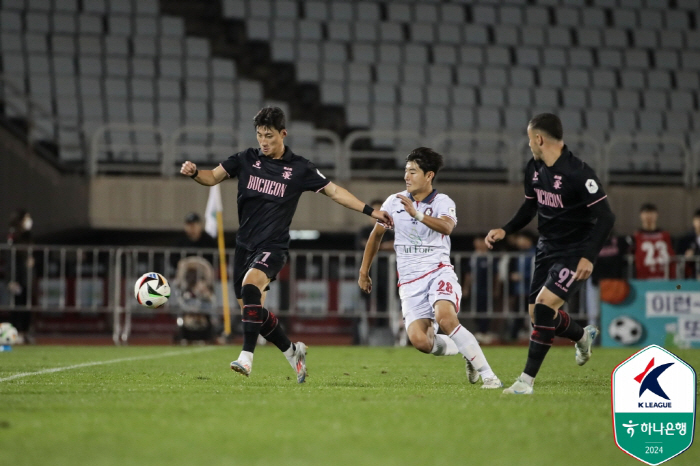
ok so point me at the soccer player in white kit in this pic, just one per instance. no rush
(429, 290)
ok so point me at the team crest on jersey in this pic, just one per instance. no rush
(287, 173)
(557, 181)
(535, 176)
(256, 164)
(428, 212)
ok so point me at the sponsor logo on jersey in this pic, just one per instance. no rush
(549, 199)
(428, 212)
(264, 186)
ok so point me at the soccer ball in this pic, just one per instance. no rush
(152, 290)
(8, 334)
(626, 330)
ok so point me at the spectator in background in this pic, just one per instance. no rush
(20, 233)
(195, 236)
(611, 264)
(481, 271)
(652, 248)
(690, 246)
(519, 280)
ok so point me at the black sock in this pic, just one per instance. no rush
(252, 316)
(541, 339)
(567, 328)
(272, 331)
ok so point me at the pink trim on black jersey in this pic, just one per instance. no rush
(595, 202)
(324, 187)
(529, 197)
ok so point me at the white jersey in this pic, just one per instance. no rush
(420, 250)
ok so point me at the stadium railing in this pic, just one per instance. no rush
(314, 285)
(483, 155)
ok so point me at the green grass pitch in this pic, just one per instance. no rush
(360, 406)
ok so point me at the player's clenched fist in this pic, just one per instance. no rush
(188, 168)
(365, 282)
(494, 236)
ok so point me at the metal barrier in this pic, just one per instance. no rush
(314, 286)
(685, 175)
(382, 145)
(584, 147)
(118, 141)
(507, 165)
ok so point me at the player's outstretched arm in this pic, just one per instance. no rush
(371, 248)
(442, 225)
(522, 217)
(203, 177)
(345, 198)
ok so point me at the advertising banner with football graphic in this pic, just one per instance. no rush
(656, 312)
(653, 404)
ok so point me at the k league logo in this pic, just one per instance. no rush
(653, 401)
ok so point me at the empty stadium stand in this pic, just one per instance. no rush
(624, 75)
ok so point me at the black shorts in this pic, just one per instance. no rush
(556, 274)
(269, 261)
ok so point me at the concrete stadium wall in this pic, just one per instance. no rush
(57, 202)
(158, 203)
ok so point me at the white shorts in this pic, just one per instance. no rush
(418, 298)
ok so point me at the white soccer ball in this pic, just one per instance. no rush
(152, 290)
(626, 330)
(8, 334)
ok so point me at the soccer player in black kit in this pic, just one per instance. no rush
(270, 181)
(574, 220)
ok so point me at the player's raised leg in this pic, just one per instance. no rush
(468, 346)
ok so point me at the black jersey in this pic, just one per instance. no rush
(268, 194)
(564, 193)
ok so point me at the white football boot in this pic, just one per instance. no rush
(583, 350)
(300, 361)
(472, 373)
(242, 367)
(519, 388)
(492, 382)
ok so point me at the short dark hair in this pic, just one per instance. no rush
(648, 207)
(549, 123)
(192, 217)
(270, 117)
(427, 159)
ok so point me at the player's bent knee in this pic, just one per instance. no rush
(421, 342)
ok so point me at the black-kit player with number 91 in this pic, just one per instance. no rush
(574, 220)
(271, 179)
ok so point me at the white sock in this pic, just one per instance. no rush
(528, 379)
(444, 346)
(469, 348)
(289, 354)
(584, 338)
(246, 356)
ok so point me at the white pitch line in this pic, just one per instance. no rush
(99, 363)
